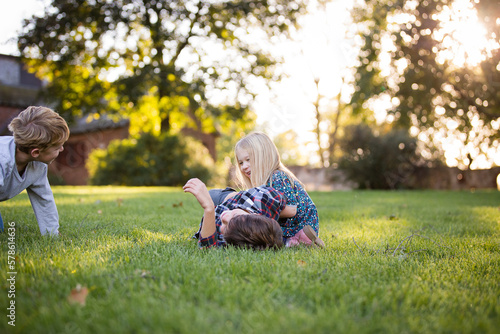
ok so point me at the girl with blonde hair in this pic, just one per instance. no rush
(259, 164)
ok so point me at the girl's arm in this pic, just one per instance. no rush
(200, 191)
(289, 211)
(280, 181)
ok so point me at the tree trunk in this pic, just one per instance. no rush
(318, 122)
(333, 135)
(165, 124)
(207, 139)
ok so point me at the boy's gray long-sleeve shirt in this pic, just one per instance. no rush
(34, 180)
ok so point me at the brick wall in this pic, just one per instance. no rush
(69, 168)
(6, 115)
(442, 178)
(455, 179)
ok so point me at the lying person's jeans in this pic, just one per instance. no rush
(218, 195)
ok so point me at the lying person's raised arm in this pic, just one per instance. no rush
(200, 191)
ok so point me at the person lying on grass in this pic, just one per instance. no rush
(246, 219)
(306, 236)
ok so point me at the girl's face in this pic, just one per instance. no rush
(226, 216)
(244, 162)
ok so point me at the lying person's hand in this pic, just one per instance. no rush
(199, 190)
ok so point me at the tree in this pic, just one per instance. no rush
(409, 55)
(383, 161)
(290, 152)
(327, 52)
(164, 160)
(196, 58)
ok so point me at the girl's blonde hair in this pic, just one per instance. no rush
(38, 127)
(264, 160)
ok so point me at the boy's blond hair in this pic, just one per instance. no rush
(38, 127)
(264, 159)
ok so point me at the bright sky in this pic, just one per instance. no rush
(322, 51)
(11, 21)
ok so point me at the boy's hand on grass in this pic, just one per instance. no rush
(199, 190)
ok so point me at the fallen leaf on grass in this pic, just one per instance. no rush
(144, 274)
(78, 295)
(175, 205)
(301, 263)
(141, 272)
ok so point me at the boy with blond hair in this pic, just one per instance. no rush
(38, 137)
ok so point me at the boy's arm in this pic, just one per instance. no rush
(200, 191)
(1, 176)
(44, 206)
(289, 211)
(268, 201)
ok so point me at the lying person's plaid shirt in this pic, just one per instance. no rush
(265, 201)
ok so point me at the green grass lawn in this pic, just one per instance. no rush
(394, 262)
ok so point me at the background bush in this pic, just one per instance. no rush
(378, 161)
(165, 160)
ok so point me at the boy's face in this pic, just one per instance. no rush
(244, 162)
(228, 215)
(47, 155)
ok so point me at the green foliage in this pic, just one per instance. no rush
(132, 248)
(148, 161)
(290, 152)
(377, 161)
(168, 59)
(430, 93)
